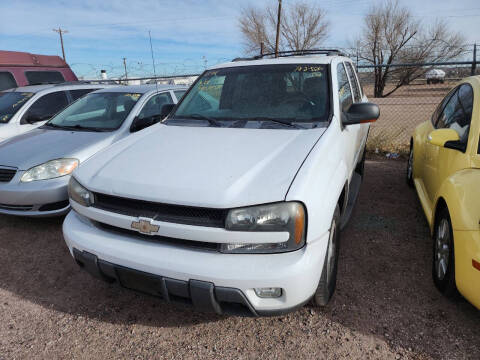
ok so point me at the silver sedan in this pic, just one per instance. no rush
(35, 167)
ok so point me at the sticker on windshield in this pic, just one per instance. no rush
(308, 68)
(133, 96)
(25, 97)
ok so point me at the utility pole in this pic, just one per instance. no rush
(278, 26)
(261, 48)
(61, 32)
(125, 67)
(474, 63)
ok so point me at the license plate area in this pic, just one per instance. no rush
(140, 281)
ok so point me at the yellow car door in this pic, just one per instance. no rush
(442, 161)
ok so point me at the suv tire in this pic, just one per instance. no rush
(328, 279)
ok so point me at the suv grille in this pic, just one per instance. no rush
(197, 245)
(7, 174)
(179, 214)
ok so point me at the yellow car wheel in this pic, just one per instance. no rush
(443, 265)
(410, 167)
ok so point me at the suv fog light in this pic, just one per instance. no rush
(268, 292)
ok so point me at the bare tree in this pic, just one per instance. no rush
(303, 26)
(392, 35)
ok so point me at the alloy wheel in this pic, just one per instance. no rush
(442, 249)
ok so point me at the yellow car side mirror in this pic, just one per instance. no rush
(440, 136)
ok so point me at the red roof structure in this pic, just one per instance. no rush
(16, 58)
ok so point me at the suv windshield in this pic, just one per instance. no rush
(10, 103)
(282, 94)
(96, 111)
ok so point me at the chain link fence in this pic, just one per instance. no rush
(400, 113)
(410, 105)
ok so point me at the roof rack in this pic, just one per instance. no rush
(327, 52)
(84, 82)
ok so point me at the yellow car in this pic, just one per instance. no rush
(444, 167)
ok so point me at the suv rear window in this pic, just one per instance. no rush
(7, 81)
(44, 77)
(76, 94)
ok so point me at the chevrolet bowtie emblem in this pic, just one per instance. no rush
(145, 226)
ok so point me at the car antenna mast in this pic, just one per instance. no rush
(153, 62)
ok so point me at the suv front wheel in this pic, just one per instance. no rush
(328, 279)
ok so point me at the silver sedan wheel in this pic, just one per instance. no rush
(442, 249)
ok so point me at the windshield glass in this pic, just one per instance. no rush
(97, 111)
(10, 103)
(290, 93)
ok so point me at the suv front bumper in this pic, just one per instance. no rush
(211, 281)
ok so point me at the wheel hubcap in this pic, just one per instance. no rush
(332, 249)
(442, 249)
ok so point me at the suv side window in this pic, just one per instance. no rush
(77, 94)
(47, 106)
(154, 105)
(344, 90)
(457, 113)
(357, 95)
(7, 81)
(179, 94)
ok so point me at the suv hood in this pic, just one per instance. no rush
(201, 166)
(40, 145)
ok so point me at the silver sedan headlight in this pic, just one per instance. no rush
(50, 170)
(279, 217)
(79, 194)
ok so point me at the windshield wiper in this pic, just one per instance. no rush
(74, 127)
(57, 126)
(210, 120)
(277, 121)
(86, 128)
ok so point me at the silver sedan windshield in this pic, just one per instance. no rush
(97, 111)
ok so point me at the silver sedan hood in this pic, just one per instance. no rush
(40, 145)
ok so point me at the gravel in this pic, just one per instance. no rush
(385, 306)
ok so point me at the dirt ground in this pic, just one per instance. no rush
(385, 306)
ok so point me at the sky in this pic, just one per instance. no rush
(187, 35)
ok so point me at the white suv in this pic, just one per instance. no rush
(235, 202)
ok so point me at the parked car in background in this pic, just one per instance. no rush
(444, 167)
(22, 69)
(236, 201)
(435, 76)
(26, 108)
(35, 166)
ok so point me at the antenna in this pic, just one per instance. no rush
(154, 71)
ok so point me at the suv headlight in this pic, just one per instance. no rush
(50, 170)
(79, 194)
(278, 217)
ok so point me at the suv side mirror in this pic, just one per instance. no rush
(142, 123)
(447, 138)
(166, 109)
(361, 113)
